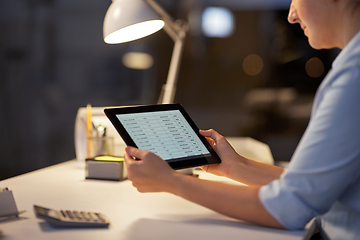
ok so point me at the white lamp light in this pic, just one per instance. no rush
(128, 20)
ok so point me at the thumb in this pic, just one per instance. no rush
(211, 134)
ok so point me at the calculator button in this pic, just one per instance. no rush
(69, 214)
(100, 217)
(63, 214)
(94, 217)
(77, 215)
(85, 216)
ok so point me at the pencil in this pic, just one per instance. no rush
(89, 130)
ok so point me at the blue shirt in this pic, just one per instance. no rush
(323, 177)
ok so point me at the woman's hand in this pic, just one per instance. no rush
(150, 173)
(237, 167)
(229, 157)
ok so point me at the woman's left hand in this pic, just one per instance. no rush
(148, 172)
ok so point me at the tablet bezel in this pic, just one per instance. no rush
(180, 164)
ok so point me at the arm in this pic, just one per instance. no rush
(152, 174)
(323, 176)
(237, 167)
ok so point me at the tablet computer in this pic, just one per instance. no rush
(166, 130)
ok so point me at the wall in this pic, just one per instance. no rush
(53, 61)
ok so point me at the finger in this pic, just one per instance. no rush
(208, 133)
(205, 168)
(205, 133)
(135, 152)
(129, 164)
(127, 158)
(210, 141)
(211, 134)
(129, 161)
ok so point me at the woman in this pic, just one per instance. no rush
(323, 177)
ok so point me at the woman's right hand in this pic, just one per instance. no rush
(229, 157)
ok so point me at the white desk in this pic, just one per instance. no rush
(133, 215)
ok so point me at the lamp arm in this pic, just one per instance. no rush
(177, 32)
(168, 89)
(175, 29)
(159, 9)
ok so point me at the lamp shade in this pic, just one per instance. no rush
(128, 20)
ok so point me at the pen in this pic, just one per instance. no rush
(89, 130)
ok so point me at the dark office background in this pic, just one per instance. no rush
(53, 60)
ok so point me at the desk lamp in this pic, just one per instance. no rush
(128, 20)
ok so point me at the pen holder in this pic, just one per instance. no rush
(97, 146)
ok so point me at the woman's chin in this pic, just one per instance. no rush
(315, 45)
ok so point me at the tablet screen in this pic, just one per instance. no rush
(166, 130)
(165, 133)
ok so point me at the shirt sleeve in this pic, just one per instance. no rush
(326, 162)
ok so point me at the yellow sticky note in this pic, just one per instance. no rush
(109, 158)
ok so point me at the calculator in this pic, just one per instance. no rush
(67, 218)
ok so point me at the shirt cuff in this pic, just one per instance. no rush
(283, 204)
